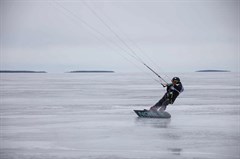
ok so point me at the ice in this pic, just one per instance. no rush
(91, 116)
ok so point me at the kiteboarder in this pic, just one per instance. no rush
(173, 90)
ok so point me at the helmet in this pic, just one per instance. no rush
(176, 79)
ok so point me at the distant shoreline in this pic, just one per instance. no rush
(213, 71)
(94, 71)
(14, 71)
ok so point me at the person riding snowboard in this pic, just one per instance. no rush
(173, 90)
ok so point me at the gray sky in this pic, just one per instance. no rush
(170, 36)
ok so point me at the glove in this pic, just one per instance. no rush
(164, 85)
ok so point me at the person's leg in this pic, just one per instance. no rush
(159, 103)
(164, 105)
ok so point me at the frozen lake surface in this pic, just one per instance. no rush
(90, 116)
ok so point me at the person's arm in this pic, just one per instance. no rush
(166, 84)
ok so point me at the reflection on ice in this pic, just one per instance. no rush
(175, 151)
(153, 122)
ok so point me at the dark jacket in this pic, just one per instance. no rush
(173, 91)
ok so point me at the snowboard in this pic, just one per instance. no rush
(152, 114)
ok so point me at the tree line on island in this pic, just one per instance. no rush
(213, 71)
(81, 71)
(20, 71)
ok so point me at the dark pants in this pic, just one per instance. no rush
(162, 103)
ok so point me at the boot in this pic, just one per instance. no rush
(153, 108)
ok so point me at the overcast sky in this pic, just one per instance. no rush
(169, 35)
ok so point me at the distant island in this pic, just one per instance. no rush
(15, 71)
(93, 71)
(212, 71)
